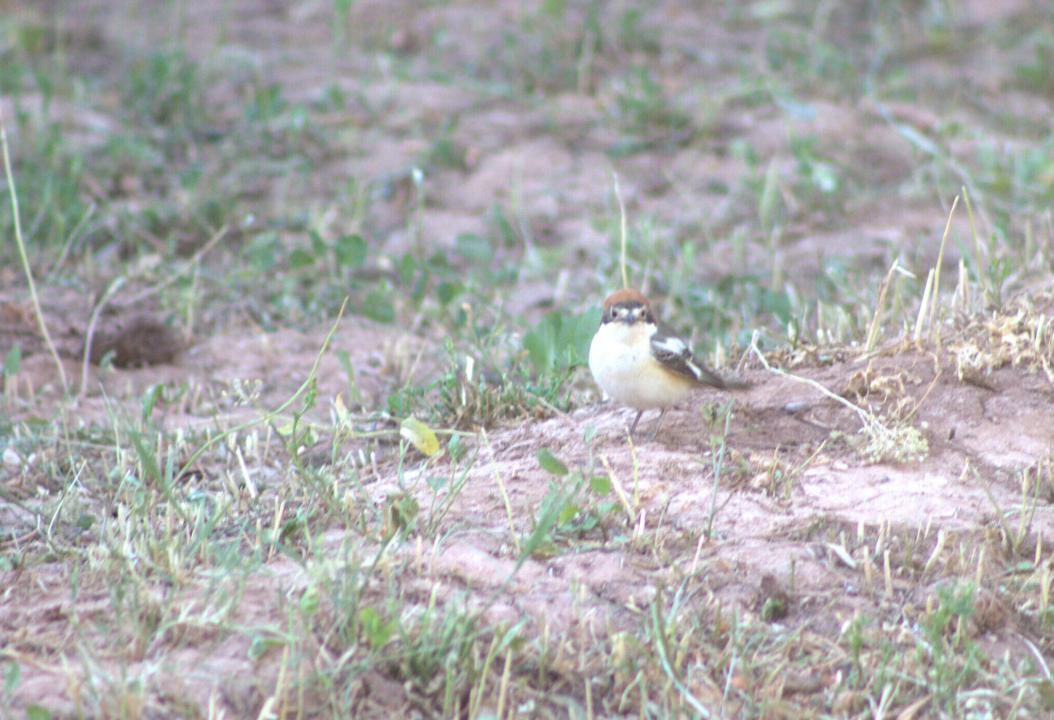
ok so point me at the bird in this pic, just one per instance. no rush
(640, 361)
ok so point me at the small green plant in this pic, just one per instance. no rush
(165, 89)
(343, 25)
(558, 344)
(12, 363)
(952, 661)
(435, 651)
(49, 174)
(718, 446)
(645, 108)
(635, 36)
(573, 501)
(857, 640)
(453, 484)
(1038, 75)
(468, 394)
(378, 632)
(344, 255)
(818, 175)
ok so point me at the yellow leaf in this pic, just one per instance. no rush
(420, 435)
(340, 408)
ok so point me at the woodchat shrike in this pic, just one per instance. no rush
(641, 362)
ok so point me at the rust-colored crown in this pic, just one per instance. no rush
(627, 295)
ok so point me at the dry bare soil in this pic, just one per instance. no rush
(866, 531)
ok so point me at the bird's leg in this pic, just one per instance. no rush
(634, 425)
(651, 435)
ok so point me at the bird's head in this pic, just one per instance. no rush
(627, 306)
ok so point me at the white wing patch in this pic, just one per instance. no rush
(676, 354)
(672, 344)
(682, 351)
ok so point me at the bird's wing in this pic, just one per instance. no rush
(676, 356)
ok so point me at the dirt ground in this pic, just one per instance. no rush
(797, 506)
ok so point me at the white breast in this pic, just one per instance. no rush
(621, 361)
